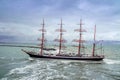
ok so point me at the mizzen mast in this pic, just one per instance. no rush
(42, 38)
(80, 41)
(60, 40)
(94, 43)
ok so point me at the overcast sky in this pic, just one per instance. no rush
(20, 20)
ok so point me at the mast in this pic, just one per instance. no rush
(80, 41)
(93, 52)
(60, 40)
(42, 38)
(60, 43)
(80, 37)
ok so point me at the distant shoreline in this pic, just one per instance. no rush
(20, 46)
(103, 41)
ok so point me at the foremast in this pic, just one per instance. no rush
(42, 39)
(80, 41)
(60, 40)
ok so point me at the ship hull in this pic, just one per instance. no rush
(88, 58)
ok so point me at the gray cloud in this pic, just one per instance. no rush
(21, 19)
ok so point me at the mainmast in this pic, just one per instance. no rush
(60, 40)
(80, 41)
(94, 44)
(42, 38)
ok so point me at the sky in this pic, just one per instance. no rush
(20, 20)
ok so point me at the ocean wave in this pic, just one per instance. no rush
(110, 61)
(2, 57)
(83, 62)
(11, 58)
(38, 70)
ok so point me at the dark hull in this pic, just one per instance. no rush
(90, 58)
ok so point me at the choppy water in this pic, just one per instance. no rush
(15, 65)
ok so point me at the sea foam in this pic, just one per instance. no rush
(110, 61)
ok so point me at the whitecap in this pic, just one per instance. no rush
(33, 71)
(31, 59)
(110, 61)
(4, 79)
(66, 61)
(2, 57)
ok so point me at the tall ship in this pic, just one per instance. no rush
(60, 54)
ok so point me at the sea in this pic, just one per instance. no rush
(16, 65)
